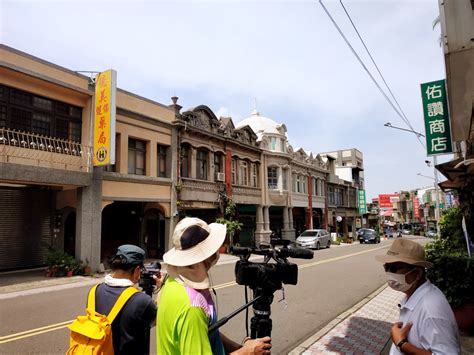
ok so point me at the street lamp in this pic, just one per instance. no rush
(389, 125)
(435, 162)
(428, 177)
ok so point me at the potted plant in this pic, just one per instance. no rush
(453, 270)
(87, 268)
(54, 260)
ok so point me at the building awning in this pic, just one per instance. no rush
(388, 213)
(449, 185)
(457, 172)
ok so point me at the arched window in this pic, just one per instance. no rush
(244, 173)
(185, 160)
(202, 164)
(284, 178)
(255, 174)
(272, 177)
(234, 170)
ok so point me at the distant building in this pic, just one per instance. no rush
(346, 177)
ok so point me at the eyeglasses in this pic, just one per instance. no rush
(395, 267)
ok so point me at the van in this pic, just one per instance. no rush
(314, 239)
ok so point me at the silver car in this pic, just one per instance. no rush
(314, 239)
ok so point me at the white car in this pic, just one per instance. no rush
(314, 239)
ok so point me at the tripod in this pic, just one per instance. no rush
(260, 323)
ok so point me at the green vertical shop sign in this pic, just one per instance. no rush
(435, 110)
(362, 205)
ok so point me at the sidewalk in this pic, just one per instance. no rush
(17, 283)
(364, 329)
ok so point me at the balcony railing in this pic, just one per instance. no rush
(33, 149)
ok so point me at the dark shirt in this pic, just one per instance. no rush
(131, 327)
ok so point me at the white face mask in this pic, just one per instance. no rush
(398, 281)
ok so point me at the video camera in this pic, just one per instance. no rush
(147, 281)
(269, 276)
(264, 279)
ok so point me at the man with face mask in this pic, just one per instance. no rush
(186, 308)
(427, 324)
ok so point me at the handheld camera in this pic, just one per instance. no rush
(147, 282)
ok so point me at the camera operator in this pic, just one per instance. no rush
(131, 327)
(186, 308)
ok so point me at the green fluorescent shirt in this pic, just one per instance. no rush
(184, 315)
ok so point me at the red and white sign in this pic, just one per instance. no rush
(387, 200)
(416, 207)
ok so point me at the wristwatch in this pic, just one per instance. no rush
(400, 344)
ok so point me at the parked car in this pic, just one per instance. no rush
(314, 239)
(361, 231)
(431, 234)
(369, 236)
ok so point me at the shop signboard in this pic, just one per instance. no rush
(361, 202)
(104, 118)
(416, 207)
(435, 109)
(387, 200)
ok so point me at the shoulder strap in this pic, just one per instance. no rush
(91, 299)
(123, 298)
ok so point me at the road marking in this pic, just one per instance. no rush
(57, 326)
(339, 257)
(227, 284)
(32, 332)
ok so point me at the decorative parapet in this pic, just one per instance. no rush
(202, 185)
(244, 190)
(36, 150)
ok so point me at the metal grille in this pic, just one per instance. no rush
(41, 148)
(25, 227)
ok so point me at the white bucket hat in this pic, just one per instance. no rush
(194, 241)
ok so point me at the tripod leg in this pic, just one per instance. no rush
(260, 327)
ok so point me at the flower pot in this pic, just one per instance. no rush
(464, 315)
(222, 249)
(87, 269)
(69, 273)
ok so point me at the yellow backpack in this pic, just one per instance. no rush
(92, 334)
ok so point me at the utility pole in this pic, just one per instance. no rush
(437, 210)
(435, 162)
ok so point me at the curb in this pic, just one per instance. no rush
(35, 287)
(341, 317)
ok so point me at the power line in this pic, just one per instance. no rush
(405, 118)
(365, 68)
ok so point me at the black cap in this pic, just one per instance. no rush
(133, 254)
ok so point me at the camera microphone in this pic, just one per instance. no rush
(300, 253)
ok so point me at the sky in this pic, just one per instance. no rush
(286, 58)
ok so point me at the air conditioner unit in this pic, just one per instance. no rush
(220, 176)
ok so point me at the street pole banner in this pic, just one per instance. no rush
(362, 204)
(416, 207)
(104, 118)
(435, 110)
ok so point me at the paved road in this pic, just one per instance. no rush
(334, 281)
